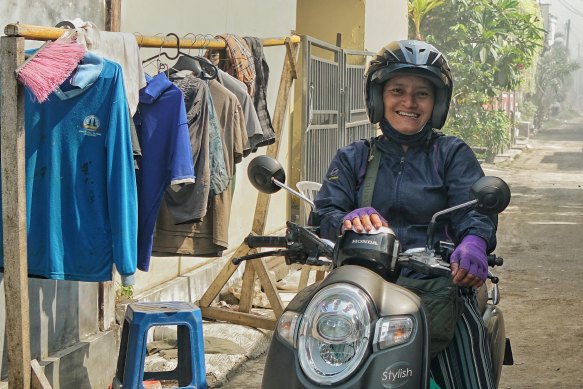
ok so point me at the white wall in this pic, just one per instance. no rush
(385, 21)
(265, 18)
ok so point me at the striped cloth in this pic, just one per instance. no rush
(467, 362)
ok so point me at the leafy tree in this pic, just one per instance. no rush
(551, 80)
(488, 43)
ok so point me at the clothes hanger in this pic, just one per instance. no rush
(163, 53)
(187, 62)
(198, 65)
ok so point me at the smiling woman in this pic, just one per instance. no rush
(419, 171)
(408, 103)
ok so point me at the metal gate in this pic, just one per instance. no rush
(333, 111)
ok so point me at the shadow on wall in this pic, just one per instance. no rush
(61, 314)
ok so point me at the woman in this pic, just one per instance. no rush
(408, 91)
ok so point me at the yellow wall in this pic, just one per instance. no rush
(323, 19)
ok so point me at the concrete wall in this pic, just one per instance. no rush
(50, 12)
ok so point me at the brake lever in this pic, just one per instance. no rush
(425, 264)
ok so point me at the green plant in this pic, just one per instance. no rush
(527, 110)
(418, 9)
(480, 128)
(124, 294)
(489, 45)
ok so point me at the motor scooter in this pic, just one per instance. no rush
(357, 328)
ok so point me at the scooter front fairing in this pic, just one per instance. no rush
(352, 330)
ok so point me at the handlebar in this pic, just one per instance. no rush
(254, 241)
(300, 245)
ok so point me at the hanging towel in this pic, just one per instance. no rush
(121, 48)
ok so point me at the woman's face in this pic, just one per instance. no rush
(408, 102)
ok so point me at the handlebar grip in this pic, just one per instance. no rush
(266, 241)
(493, 260)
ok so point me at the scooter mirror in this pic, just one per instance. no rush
(492, 194)
(261, 172)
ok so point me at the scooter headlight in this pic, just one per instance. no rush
(334, 333)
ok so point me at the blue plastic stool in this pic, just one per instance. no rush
(139, 318)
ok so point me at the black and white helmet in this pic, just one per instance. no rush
(408, 57)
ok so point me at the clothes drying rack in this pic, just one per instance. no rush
(24, 372)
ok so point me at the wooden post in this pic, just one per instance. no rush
(22, 372)
(113, 15)
(14, 215)
(256, 266)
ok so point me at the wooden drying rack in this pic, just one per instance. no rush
(23, 372)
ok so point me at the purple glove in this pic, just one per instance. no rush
(360, 212)
(470, 255)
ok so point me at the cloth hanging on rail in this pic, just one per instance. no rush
(252, 124)
(237, 60)
(120, 47)
(208, 237)
(219, 177)
(80, 182)
(166, 159)
(189, 204)
(260, 97)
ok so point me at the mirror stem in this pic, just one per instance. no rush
(432, 223)
(284, 186)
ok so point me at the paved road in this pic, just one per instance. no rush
(541, 238)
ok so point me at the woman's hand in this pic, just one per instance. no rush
(363, 219)
(469, 262)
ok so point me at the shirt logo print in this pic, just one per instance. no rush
(333, 175)
(91, 126)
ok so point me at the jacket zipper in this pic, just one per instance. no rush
(398, 185)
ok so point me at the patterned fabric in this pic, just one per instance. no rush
(260, 97)
(239, 61)
(466, 363)
(219, 177)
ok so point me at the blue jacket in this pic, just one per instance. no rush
(410, 187)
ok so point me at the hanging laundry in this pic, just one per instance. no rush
(220, 178)
(189, 204)
(120, 47)
(260, 96)
(80, 183)
(237, 60)
(162, 129)
(252, 124)
(209, 237)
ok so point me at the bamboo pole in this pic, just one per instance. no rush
(41, 33)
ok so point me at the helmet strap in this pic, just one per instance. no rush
(403, 139)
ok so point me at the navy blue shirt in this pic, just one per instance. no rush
(410, 187)
(166, 159)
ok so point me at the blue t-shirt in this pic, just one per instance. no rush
(166, 159)
(81, 197)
